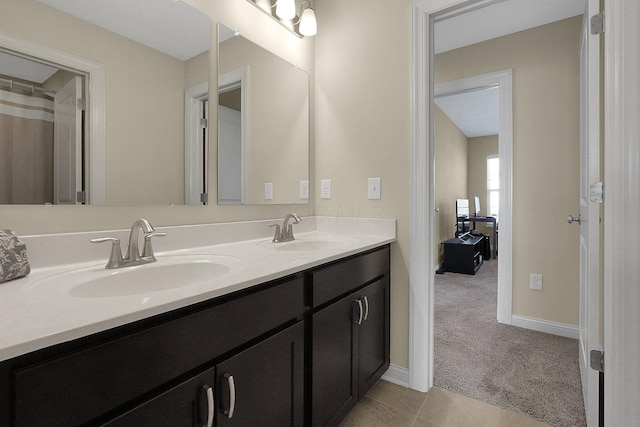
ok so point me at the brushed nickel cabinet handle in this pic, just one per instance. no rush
(360, 311)
(208, 390)
(232, 395)
(366, 307)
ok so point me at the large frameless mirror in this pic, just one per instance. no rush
(155, 59)
(263, 125)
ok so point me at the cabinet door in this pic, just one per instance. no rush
(373, 335)
(264, 385)
(334, 379)
(188, 404)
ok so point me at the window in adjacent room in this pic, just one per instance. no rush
(493, 185)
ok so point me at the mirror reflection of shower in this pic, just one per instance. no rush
(42, 132)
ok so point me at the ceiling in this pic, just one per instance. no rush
(25, 69)
(476, 113)
(170, 26)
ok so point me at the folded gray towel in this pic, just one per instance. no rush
(14, 261)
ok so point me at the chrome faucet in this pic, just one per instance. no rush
(133, 256)
(285, 233)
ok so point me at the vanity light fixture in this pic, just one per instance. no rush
(307, 25)
(284, 12)
(286, 9)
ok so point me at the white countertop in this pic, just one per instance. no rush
(37, 311)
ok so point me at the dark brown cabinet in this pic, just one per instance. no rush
(262, 385)
(296, 351)
(350, 342)
(188, 404)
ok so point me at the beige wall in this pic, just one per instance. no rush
(479, 149)
(363, 127)
(451, 153)
(24, 18)
(545, 65)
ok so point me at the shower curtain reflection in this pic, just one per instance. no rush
(26, 148)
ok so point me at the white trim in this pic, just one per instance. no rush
(96, 110)
(421, 277)
(193, 158)
(546, 326)
(622, 203)
(421, 273)
(504, 81)
(397, 375)
(233, 79)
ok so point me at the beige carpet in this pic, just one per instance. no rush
(528, 372)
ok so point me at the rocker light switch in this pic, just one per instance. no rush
(268, 191)
(374, 188)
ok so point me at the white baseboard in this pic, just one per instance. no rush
(547, 326)
(397, 375)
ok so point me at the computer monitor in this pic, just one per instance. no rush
(477, 205)
(462, 208)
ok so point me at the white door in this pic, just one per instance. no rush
(589, 212)
(229, 156)
(67, 144)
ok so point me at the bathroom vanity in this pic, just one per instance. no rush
(298, 349)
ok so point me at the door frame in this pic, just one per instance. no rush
(621, 207)
(622, 203)
(194, 168)
(503, 80)
(421, 274)
(95, 108)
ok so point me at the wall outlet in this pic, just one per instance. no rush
(535, 281)
(373, 188)
(268, 191)
(304, 190)
(325, 189)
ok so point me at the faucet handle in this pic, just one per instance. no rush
(115, 257)
(147, 250)
(277, 236)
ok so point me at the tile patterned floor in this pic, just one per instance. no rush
(391, 405)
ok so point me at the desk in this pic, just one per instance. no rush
(493, 220)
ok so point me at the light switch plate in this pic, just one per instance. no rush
(325, 189)
(374, 188)
(535, 282)
(304, 190)
(268, 191)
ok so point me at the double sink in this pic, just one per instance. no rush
(171, 271)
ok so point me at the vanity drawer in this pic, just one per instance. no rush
(83, 385)
(343, 276)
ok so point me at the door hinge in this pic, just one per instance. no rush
(204, 198)
(204, 122)
(81, 197)
(597, 24)
(596, 192)
(597, 360)
(81, 104)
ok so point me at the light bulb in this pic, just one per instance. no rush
(308, 25)
(286, 9)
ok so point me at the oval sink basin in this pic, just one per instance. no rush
(151, 279)
(165, 274)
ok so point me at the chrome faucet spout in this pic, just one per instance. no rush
(133, 256)
(285, 233)
(140, 225)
